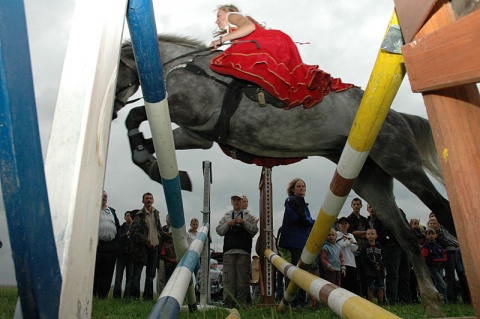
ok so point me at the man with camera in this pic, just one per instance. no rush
(238, 227)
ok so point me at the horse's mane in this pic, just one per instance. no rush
(176, 39)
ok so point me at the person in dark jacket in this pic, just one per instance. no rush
(453, 264)
(124, 259)
(358, 228)
(373, 258)
(147, 237)
(296, 226)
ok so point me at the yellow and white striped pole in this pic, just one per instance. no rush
(387, 75)
(234, 314)
(341, 301)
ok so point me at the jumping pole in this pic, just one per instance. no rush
(170, 301)
(341, 301)
(385, 80)
(141, 23)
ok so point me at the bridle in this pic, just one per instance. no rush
(190, 66)
(126, 87)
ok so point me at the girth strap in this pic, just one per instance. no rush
(231, 100)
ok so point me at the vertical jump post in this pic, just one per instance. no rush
(205, 292)
(441, 58)
(267, 279)
(141, 23)
(77, 150)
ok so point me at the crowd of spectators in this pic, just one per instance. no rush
(359, 254)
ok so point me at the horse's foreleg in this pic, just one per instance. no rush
(142, 149)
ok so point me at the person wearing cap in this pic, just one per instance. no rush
(348, 244)
(238, 228)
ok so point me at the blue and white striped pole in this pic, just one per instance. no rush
(22, 173)
(141, 23)
(170, 301)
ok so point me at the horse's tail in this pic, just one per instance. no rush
(426, 145)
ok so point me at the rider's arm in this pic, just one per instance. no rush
(245, 27)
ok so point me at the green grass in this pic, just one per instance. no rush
(8, 299)
(126, 309)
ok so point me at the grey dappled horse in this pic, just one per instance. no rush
(403, 150)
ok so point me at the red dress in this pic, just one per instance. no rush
(277, 67)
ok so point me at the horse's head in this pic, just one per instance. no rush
(127, 78)
(173, 49)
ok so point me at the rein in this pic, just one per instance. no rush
(189, 66)
(187, 54)
(209, 49)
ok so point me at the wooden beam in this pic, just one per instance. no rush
(77, 149)
(454, 115)
(445, 58)
(411, 15)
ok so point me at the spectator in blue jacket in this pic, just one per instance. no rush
(296, 226)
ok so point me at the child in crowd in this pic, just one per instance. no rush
(332, 259)
(419, 230)
(214, 265)
(435, 256)
(373, 258)
(348, 244)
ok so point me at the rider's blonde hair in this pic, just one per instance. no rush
(232, 8)
(227, 8)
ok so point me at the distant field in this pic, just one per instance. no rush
(126, 309)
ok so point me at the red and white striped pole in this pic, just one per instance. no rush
(341, 301)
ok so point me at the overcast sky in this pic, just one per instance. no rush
(344, 38)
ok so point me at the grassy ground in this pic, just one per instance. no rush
(126, 309)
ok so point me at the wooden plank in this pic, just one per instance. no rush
(411, 15)
(454, 115)
(433, 61)
(77, 149)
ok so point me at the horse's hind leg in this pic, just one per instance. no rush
(376, 187)
(396, 152)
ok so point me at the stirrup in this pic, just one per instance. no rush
(263, 97)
